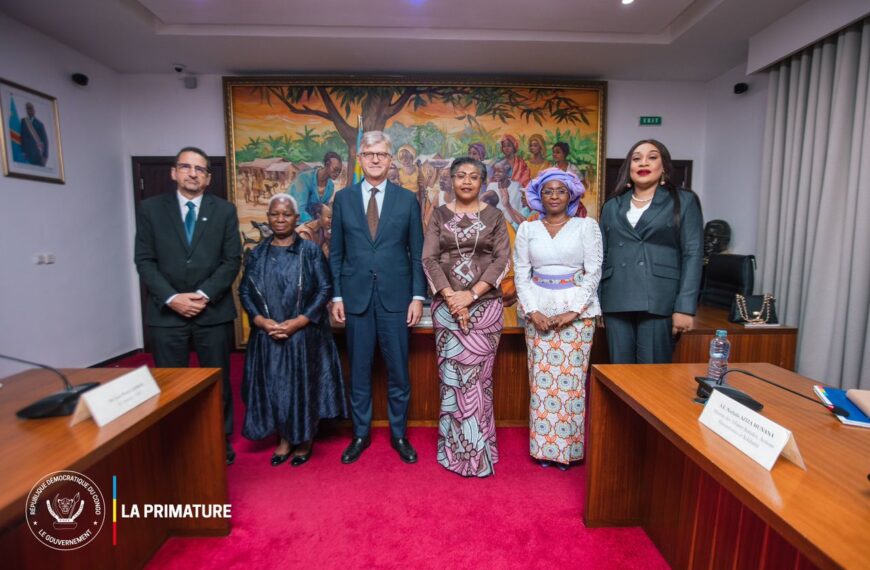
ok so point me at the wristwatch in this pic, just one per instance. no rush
(474, 296)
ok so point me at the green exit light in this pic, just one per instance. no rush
(650, 121)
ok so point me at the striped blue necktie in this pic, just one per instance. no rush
(190, 221)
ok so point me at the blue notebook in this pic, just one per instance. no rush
(833, 396)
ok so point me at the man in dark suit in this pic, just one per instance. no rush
(188, 254)
(34, 139)
(379, 287)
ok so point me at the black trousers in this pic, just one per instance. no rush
(171, 349)
(390, 330)
(639, 338)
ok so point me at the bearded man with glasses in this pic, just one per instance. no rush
(378, 288)
(188, 254)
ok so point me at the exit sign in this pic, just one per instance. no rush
(650, 121)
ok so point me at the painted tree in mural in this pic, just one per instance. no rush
(380, 104)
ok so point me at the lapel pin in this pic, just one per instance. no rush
(205, 219)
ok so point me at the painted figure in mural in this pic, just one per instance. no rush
(34, 140)
(558, 266)
(653, 251)
(519, 169)
(477, 151)
(537, 155)
(188, 254)
(292, 375)
(318, 230)
(393, 174)
(316, 186)
(378, 288)
(466, 254)
(410, 171)
(508, 192)
(561, 151)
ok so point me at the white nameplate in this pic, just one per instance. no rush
(750, 432)
(114, 399)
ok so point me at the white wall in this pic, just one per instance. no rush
(732, 154)
(78, 311)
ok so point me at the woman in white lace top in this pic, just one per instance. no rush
(557, 268)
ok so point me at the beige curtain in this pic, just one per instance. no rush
(814, 222)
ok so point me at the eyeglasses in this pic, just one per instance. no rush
(372, 155)
(184, 167)
(474, 177)
(557, 192)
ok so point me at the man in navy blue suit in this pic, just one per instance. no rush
(378, 287)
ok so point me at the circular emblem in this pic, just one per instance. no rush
(65, 510)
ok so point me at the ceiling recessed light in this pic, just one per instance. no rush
(627, 2)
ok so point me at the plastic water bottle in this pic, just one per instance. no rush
(720, 348)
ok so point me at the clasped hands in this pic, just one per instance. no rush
(543, 324)
(458, 303)
(188, 304)
(281, 331)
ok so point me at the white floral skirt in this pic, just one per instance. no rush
(558, 363)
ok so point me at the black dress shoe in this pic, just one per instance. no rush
(300, 459)
(279, 459)
(355, 449)
(231, 454)
(404, 449)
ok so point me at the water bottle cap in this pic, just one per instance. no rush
(721, 333)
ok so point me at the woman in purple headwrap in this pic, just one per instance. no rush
(557, 264)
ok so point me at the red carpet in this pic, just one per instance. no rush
(381, 513)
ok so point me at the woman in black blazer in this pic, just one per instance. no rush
(653, 241)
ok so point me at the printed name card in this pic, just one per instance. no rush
(114, 399)
(750, 432)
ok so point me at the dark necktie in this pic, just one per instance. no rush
(372, 213)
(190, 221)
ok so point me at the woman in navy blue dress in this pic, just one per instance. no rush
(292, 369)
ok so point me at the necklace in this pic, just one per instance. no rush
(552, 225)
(462, 269)
(639, 201)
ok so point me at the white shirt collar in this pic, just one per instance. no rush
(182, 201)
(366, 187)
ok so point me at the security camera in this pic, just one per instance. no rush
(741, 88)
(178, 67)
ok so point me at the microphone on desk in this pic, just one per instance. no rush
(707, 385)
(58, 404)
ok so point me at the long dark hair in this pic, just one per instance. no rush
(624, 183)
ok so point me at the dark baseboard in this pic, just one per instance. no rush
(111, 361)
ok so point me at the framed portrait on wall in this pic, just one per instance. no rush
(31, 134)
(298, 135)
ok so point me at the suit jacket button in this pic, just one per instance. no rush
(640, 262)
(622, 264)
(620, 244)
(188, 261)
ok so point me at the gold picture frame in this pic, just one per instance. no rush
(31, 147)
(278, 127)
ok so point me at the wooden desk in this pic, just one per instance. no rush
(511, 384)
(705, 504)
(158, 451)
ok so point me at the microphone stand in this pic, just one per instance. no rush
(58, 404)
(707, 385)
